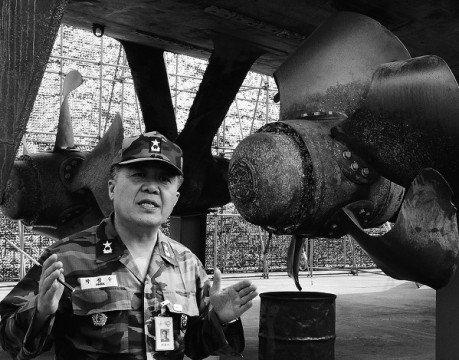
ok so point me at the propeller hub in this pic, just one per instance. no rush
(266, 180)
(291, 178)
(22, 196)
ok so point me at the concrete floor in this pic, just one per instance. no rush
(377, 317)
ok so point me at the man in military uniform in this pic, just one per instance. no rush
(131, 282)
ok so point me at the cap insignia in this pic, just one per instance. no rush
(155, 145)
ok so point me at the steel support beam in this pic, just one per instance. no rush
(206, 183)
(191, 232)
(447, 321)
(151, 84)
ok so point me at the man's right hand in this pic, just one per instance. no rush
(50, 290)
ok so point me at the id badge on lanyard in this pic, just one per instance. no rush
(164, 330)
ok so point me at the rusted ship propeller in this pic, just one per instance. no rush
(58, 206)
(78, 197)
(341, 157)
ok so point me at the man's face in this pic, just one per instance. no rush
(144, 194)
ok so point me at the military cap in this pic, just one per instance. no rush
(151, 146)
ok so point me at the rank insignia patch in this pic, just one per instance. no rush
(99, 319)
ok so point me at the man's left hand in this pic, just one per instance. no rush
(231, 302)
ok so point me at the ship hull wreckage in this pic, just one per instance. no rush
(368, 127)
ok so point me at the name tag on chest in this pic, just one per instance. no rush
(98, 282)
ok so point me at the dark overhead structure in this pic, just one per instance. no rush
(425, 27)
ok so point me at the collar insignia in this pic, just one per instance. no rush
(107, 247)
(167, 250)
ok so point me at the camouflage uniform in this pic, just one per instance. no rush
(175, 275)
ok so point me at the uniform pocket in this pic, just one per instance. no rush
(181, 302)
(90, 301)
(101, 319)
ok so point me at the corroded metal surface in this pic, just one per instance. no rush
(423, 245)
(403, 121)
(297, 325)
(270, 179)
(286, 178)
(332, 69)
(409, 121)
(22, 196)
(74, 200)
(63, 191)
(293, 258)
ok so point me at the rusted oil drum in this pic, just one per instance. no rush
(297, 325)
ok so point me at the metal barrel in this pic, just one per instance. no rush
(297, 325)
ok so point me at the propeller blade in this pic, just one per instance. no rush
(332, 69)
(423, 245)
(64, 137)
(25, 149)
(408, 121)
(293, 258)
(72, 80)
(94, 172)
